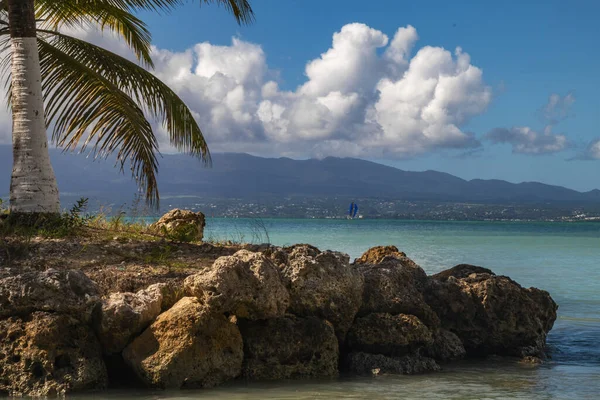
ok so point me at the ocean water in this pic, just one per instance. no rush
(562, 258)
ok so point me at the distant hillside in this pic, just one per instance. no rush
(247, 177)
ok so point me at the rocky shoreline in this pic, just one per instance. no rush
(261, 313)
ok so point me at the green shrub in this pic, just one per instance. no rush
(46, 224)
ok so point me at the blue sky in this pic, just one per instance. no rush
(527, 51)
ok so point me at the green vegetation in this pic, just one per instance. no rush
(46, 225)
(76, 222)
(18, 231)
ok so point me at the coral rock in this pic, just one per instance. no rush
(187, 346)
(125, 315)
(387, 334)
(493, 314)
(323, 284)
(49, 355)
(181, 224)
(68, 291)
(395, 286)
(289, 347)
(245, 284)
(375, 255)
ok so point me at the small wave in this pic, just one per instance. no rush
(579, 319)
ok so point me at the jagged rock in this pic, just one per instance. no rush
(289, 348)
(67, 291)
(323, 284)
(125, 315)
(305, 248)
(187, 346)
(49, 355)
(375, 255)
(245, 284)
(446, 346)
(258, 248)
(461, 271)
(395, 286)
(377, 364)
(182, 225)
(280, 255)
(391, 335)
(492, 314)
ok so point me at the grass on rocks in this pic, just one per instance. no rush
(119, 253)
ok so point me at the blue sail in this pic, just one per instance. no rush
(350, 209)
(355, 210)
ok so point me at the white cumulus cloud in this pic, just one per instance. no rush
(356, 102)
(365, 96)
(350, 65)
(526, 140)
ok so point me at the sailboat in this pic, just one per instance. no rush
(352, 210)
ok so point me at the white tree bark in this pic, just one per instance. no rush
(33, 187)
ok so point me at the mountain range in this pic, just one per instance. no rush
(242, 176)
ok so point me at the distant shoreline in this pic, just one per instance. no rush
(336, 209)
(570, 221)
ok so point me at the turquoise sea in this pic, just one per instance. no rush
(563, 258)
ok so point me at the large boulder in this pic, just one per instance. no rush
(492, 314)
(390, 335)
(289, 348)
(376, 254)
(377, 364)
(461, 271)
(67, 291)
(187, 346)
(395, 286)
(246, 284)
(47, 354)
(183, 225)
(125, 315)
(322, 284)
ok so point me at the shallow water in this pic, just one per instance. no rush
(562, 258)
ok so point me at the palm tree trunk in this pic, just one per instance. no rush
(33, 187)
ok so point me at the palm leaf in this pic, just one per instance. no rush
(5, 60)
(84, 103)
(154, 96)
(101, 13)
(241, 9)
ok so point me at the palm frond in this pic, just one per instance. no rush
(83, 103)
(241, 9)
(154, 96)
(5, 59)
(102, 13)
